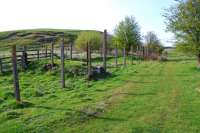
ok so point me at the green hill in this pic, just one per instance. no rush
(36, 36)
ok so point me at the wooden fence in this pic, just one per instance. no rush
(32, 55)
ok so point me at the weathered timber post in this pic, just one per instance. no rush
(140, 53)
(1, 66)
(143, 52)
(131, 54)
(147, 52)
(62, 64)
(52, 54)
(38, 54)
(71, 50)
(124, 54)
(89, 62)
(15, 75)
(46, 51)
(116, 56)
(66, 49)
(137, 52)
(87, 55)
(104, 49)
(24, 58)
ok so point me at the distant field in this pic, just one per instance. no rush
(149, 96)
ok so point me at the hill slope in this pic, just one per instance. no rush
(36, 36)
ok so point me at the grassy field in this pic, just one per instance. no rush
(149, 96)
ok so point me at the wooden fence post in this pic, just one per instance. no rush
(124, 54)
(1, 65)
(87, 55)
(131, 55)
(38, 54)
(62, 65)
(71, 50)
(52, 53)
(143, 52)
(46, 51)
(89, 62)
(147, 52)
(66, 49)
(116, 56)
(138, 53)
(104, 49)
(24, 58)
(15, 74)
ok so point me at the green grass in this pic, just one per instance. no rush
(149, 96)
(30, 36)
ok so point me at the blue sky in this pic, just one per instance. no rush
(84, 14)
(148, 13)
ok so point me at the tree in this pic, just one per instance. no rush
(183, 19)
(88, 41)
(127, 35)
(152, 42)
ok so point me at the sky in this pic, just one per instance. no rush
(84, 14)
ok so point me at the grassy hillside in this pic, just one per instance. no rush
(149, 96)
(21, 37)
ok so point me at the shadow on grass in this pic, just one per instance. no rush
(138, 94)
(51, 108)
(110, 119)
(178, 60)
(143, 82)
